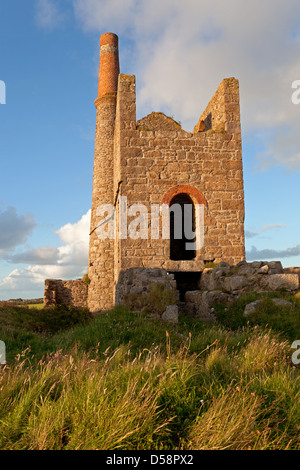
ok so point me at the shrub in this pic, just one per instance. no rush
(86, 279)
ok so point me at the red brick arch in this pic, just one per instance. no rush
(194, 193)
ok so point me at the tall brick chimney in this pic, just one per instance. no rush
(109, 64)
(101, 252)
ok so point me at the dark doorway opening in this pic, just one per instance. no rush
(182, 228)
(187, 281)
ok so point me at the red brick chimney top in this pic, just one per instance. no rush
(109, 64)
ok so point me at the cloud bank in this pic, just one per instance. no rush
(270, 254)
(14, 229)
(184, 49)
(68, 261)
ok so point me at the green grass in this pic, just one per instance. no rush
(281, 319)
(21, 327)
(36, 306)
(124, 380)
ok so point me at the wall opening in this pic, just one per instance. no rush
(187, 281)
(182, 228)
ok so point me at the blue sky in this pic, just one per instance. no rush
(179, 52)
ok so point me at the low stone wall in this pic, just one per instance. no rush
(72, 293)
(292, 271)
(225, 283)
(155, 290)
(257, 276)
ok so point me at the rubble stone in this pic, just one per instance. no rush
(171, 314)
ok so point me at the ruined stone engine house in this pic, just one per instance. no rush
(153, 161)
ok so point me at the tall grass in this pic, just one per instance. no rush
(230, 395)
(75, 402)
(229, 423)
(121, 381)
(258, 403)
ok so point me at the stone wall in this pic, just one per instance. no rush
(146, 159)
(226, 283)
(155, 289)
(220, 285)
(140, 288)
(72, 293)
(154, 155)
(222, 112)
(292, 270)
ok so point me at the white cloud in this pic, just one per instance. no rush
(284, 147)
(77, 232)
(48, 16)
(14, 229)
(251, 234)
(21, 284)
(269, 254)
(184, 50)
(69, 261)
(95, 14)
(42, 255)
(76, 242)
(270, 226)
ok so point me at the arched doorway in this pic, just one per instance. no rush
(182, 228)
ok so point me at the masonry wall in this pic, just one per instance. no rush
(72, 293)
(154, 154)
(149, 159)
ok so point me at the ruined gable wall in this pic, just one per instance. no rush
(223, 111)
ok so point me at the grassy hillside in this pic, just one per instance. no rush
(126, 381)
